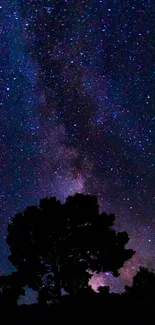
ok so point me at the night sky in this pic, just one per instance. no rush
(77, 113)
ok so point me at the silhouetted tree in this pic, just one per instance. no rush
(11, 287)
(143, 287)
(56, 244)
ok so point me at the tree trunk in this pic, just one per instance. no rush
(57, 279)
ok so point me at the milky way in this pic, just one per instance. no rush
(77, 113)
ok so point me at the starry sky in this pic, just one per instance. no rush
(77, 113)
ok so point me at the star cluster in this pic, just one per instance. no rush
(77, 112)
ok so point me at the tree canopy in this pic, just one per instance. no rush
(55, 245)
(143, 287)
